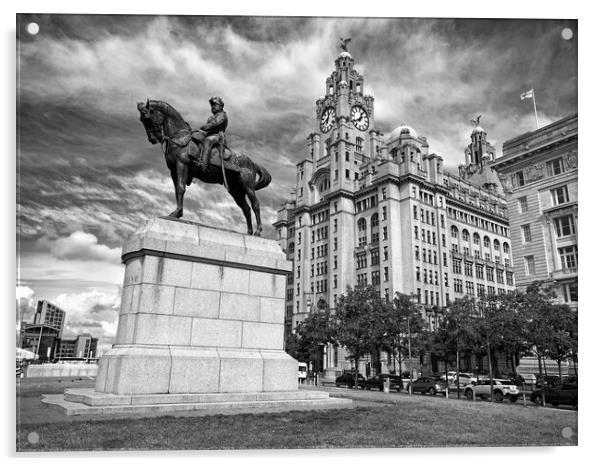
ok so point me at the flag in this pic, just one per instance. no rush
(527, 95)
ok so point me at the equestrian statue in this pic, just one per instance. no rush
(204, 154)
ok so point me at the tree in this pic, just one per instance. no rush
(404, 327)
(562, 340)
(456, 331)
(358, 322)
(310, 335)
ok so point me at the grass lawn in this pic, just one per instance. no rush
(395, 421)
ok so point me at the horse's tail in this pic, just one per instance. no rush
(264, 177)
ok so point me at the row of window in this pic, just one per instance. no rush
(477, 221)
(428, 255)
(428, 276)
(321, 268)
(568, 260)
(476, 239)
(564, 226)
(319, 217)
(553, 168)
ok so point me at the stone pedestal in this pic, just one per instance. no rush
(202, 312)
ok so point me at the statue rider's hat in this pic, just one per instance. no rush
(216, 100)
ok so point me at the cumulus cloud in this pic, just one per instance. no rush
(92, 312)
(25, 304)
(81, 246)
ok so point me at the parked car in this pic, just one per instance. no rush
(378, 381)
(516, 379)
(502, 388)
(562, 394)
(348, 379)
(466, 378)
(430, 385)
(302, 372)
(547, 380)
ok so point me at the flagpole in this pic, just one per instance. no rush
(535, 108)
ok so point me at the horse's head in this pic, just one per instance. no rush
(153, 120)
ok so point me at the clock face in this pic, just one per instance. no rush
(359, 117)
(327, 119)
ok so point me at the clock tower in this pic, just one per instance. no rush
(344, 124)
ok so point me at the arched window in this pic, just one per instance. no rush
(506, 247)
(476, 239)
(486, 242)
(496, 245)
(465, 235)
(361, 225)
(374, 221)
(454, 231)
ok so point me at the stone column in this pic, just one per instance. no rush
(202, 311)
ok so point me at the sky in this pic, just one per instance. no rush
(87, 175)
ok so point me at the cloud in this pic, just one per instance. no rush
(81, 246)
(92, 312)
(25, 304)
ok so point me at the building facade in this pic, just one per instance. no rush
(539, 174)
(83, 346)
(50, 315)
(378, 208)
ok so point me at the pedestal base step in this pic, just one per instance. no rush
(77, 401)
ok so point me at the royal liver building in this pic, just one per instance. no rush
(373, 207)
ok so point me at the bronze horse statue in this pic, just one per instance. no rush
(164, 125)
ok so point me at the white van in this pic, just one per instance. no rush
(302, 372)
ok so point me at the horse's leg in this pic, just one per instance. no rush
(250, 191)
(179, 176)
(239, 197)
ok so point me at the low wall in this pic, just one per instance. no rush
(61, 370)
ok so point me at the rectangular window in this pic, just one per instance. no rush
(445, 279)
(571, 293)
(468, 269)
(519, 178)
(509, 278)
(522, 205)
(347, 174)
(529, 265)
(443, 239)
(560, 195)
(490, 274)
(457, 266)
(470, 288)
(417, 273)
(564, 226)
(568, 257)
(385, 253)
(526, 233)
(500, 276)
(418, 294)
(386, 274)
(555, 167)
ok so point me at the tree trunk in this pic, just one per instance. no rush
(458, 371)
(559, 369)
(490, 372)
(543, 392)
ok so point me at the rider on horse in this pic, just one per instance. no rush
(213, 132)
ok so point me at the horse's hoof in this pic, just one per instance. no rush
(175, 214)
(257, 233)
